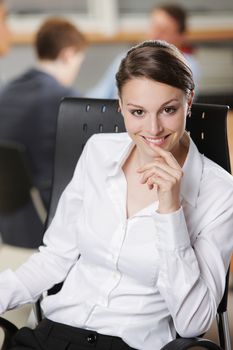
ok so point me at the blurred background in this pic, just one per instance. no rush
(114, 25)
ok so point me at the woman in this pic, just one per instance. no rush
(142, 234)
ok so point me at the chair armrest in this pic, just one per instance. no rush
(9, 330)
(187, 343)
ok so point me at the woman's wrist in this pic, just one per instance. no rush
(167, 209)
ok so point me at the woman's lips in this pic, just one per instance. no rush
(158, 141)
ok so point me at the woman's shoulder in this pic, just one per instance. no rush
(219, 172)
(208, 171)
(217, 178)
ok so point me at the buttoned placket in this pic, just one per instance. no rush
(116, 189)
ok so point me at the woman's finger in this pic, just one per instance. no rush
(158, 166)
(158, 172)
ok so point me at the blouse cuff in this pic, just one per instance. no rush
(12, 291)
(171, 230)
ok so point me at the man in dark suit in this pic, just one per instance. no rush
(28, 112)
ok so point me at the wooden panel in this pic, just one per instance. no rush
(230, 140)
(194, 36)
(230, 135)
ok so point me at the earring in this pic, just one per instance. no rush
(189, 112)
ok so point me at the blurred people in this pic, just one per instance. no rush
(166, 22)
(4, 34)
(28, 112)
(169, 22)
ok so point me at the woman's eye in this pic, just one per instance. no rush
(137, 112)
(169, 110)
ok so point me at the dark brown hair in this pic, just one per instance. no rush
(156, 60)
(177, 12)
(56, 34)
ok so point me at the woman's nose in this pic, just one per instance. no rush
(154, 126)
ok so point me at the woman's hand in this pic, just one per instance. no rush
(164, 174)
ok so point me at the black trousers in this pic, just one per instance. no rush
(49, 335)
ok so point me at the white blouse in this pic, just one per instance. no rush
(142, 278)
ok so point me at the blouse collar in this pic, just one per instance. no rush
(192, 168)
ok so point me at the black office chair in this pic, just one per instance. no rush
(18, 194)
(16, 186)
(79, 118)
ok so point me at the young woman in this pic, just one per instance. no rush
(142, 236)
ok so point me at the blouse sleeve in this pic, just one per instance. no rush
(58, 254)
(192, 275)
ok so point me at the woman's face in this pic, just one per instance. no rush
(154, 114)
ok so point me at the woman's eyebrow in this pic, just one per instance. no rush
(133, 105)
(163, 104)
(169, 101)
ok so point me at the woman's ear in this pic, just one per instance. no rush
(190, 102)
(120, 105)
(190, 99)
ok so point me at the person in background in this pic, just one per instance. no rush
(169, 22)
(28, 112)
(166, 22)
(142, 235)
(5, 36)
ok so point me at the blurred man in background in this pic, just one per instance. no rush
(166, 22)
(28, 111)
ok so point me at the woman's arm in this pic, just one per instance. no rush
(192, 274)
(55, 258)
(192, 278)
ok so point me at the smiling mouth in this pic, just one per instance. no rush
(158, 141)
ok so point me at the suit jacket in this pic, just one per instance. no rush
(28, 113)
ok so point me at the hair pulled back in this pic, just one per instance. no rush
(156, 60)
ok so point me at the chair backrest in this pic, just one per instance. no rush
(208, 128)
(15, 178)
(22, 211)
(79, 118)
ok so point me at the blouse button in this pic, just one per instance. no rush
(91, 338)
